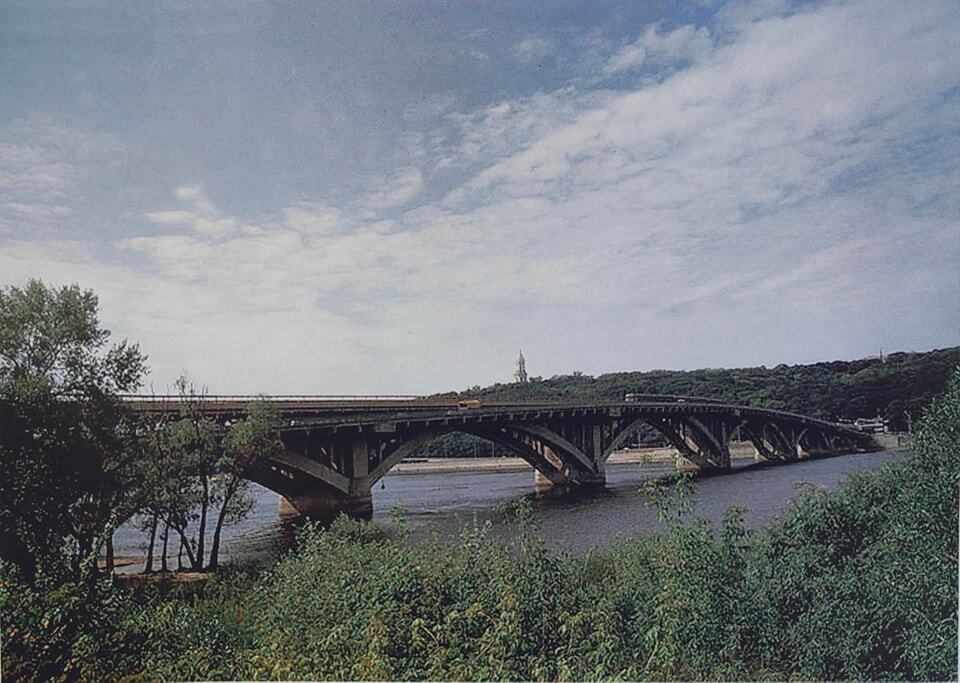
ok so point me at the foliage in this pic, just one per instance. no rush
(74, 464)
(68, 456)
(857, 584)
(671, 495)
(62, 630)
(197, 468)
(875, 563)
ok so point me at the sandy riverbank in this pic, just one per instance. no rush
(632, 456)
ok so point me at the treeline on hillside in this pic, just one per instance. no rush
(896, 388)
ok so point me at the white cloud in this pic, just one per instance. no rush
(193, 193)
(207, 328)
(42, 163)
(312, 218)
(209, 227)
(431, 106)
(398, 188)
(791, 191)
(685, 44)
(508, 127)
(533, 48)
(478, 54)
(205, 220)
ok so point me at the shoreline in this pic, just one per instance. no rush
(127, 565)
(630, 456)
(739, 450)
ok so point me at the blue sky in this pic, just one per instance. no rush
(395, 197)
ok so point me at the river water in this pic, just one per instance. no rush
(575, 520)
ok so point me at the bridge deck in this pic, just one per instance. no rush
(336, 447)
(344, 412)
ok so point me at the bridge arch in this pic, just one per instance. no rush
(550, 454)
(337, 447)
(704, 445)
(312, 486)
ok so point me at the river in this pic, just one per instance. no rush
(575, 520)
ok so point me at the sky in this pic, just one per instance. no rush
(393, 198)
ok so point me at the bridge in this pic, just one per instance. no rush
(337, 448)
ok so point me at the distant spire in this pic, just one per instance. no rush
(520, 374)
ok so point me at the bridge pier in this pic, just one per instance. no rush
(319, 504)
(542, 482)
(683, 464)
(316, 489)
(330, 461)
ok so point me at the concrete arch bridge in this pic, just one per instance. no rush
(337, 448)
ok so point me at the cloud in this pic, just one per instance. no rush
(396, 189)
(768, 166)
(744, 111)
(533, 48)
(506, 128)
(685, 44)
(204, 220)
(205, 328)
(193, 193)
(42, 164)
(478, 54)
(219, 227)
(788, 194)
(312, 218)
(431, 106)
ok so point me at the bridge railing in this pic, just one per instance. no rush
(629, 398)
(267, 397)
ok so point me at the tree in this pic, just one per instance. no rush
(937, 434)
(251, 438)
(198, 470)
(68, 448)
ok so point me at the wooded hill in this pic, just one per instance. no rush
(896, 387)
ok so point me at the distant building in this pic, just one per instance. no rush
(520, 374)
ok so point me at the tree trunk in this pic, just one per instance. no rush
(148, 567)
(185, 545)
(201, 536)
(110, 565)
(166, 537)
(215, 545)
(180, 555)
(84, 549)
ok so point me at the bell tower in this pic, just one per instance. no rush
(520, 374)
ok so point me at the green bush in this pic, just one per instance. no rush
(861, 583)
(56, 629)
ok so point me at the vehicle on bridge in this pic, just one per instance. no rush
(468, 405)
(871, 424)
(632, 397)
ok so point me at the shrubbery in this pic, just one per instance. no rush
(859, 583)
